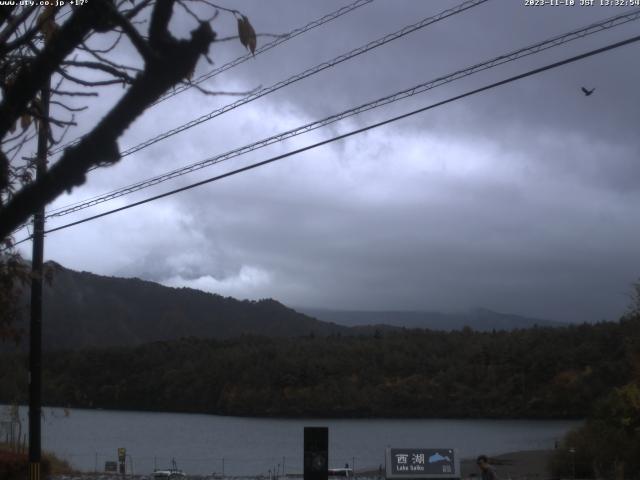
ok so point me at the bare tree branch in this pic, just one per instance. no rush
(67, 107)
(12, 26)
(123, 76)
(74, 94)
(90, 83)
(136, 39)
(31, 78)
(174, 59)
(159, 28)
(83, 45)
(102, 59)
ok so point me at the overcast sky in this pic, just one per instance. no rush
(522, 199)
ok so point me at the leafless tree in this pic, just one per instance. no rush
(71, 51)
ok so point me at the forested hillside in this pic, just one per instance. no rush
(82, 309)
(535, 373)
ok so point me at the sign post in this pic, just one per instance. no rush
(122, 457)
(422, 463)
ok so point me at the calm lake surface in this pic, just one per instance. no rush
(203, 444)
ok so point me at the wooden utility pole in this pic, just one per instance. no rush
(35, 334)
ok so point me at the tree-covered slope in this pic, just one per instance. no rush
(82, 309)
(535, 373)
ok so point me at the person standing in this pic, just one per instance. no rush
(486, 471)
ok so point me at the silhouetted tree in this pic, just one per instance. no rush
(76, 49)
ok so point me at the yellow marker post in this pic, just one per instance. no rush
(34, 471)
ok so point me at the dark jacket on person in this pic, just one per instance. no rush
(489, 474)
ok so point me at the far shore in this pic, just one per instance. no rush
(302, 416)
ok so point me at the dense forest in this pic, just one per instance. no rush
(533, 373)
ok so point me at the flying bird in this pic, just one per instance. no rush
(587, 92)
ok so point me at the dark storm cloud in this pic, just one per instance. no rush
(519, 199)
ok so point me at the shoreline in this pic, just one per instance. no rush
(512, 465)
(327, 417)
(522, 464)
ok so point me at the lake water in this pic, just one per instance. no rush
(203, 444)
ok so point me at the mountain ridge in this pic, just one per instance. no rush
(481, 319)
(84, 309)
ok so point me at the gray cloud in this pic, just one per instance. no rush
(519, 199)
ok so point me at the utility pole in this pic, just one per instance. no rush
(35, 335)
(573, 462)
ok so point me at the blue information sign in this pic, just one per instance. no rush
(422, 463)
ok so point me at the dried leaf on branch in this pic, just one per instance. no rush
(247, 34)
(25, 121)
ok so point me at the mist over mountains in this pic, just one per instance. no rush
(82, 309)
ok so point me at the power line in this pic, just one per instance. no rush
(237, 61)
(292, 34)
(311, 71)
(355, 132)
(307, 73)
(502, 59)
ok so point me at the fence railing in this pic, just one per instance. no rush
(275, 468)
